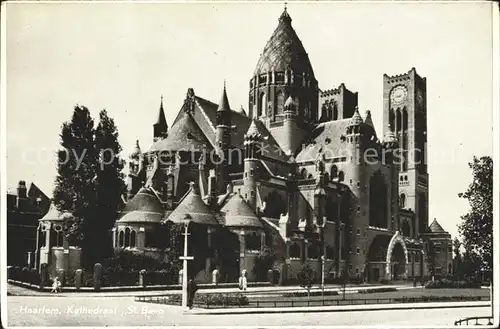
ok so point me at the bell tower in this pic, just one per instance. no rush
(405, 115)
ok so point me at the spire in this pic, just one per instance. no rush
(253, 130)
(285, 17)
(224, 103)
(356, 119)
(161, 115)
(368, 119)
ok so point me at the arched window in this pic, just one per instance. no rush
(334, 172)
(44, 238)
(313, 251)
(280, 102)
(127, 237)
(60, 239)
(398, 120)
(335, 111)
(391, 119)
(402, 200)
(405, 119)
(309, 176)
(341, 176)
(449, 269)
(262, 105)
(120, 239)
(294, 251)
(378, 201)
(132, 239)
(303, 173)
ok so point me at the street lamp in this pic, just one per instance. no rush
(185, 259)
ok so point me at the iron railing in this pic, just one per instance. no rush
(476, 321)
(294, 302)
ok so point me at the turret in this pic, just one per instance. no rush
(135, 171)
(251, 164)
(160, 128)
(292, 134)
(358, 190)
(223, 141)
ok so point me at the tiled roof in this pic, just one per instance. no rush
(436, 228)
(284, 50)
(239, 214)
(144, 207)
(52, 215)
(185, 135)
(192, 208)
(325, 137)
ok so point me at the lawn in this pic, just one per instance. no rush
(415, 292)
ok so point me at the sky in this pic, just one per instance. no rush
(122, 57)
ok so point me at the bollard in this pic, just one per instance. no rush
(215, 277)
(180, 277)
(78, 279)
(142, 278)
(25, 275)
(44, 275)
(97, 276)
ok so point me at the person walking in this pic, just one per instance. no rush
(243, 280)
(191, 289)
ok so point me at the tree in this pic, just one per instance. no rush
(306, 278)
(74, 190)
(89, 182)
(263, 263)
(110, 185)
(476, 227)
(457, 259)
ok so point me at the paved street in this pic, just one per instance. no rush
(116, 311)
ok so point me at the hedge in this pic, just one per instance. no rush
(313, 293)
(436, 299)
(372, 290)
(445, 283)
(217, 299)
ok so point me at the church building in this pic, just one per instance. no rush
(300, 173)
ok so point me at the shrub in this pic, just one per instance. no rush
(417, 299)
(445, 283)
(217, 299)
(313, 293)
(384, 281)
(372, 290)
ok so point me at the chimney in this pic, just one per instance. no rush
(21, 189)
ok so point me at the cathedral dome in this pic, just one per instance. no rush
(284, 50)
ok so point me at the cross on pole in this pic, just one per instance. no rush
(185, 259)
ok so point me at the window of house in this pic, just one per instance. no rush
(132, 239)
(357, 251)
(357, 271)
(121, 239)
(294, 251)
(358, 231)
(437, 249)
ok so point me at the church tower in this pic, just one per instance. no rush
(251, 165)
(223, 141)
(284, 71)
(405, 114)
